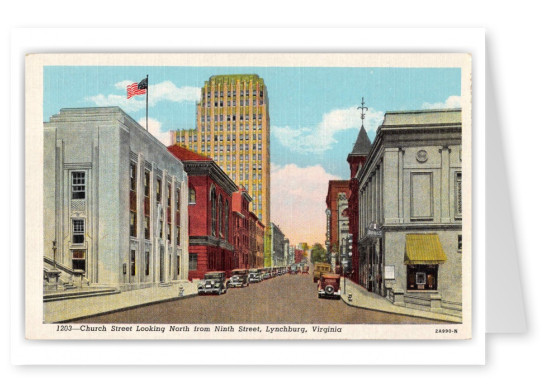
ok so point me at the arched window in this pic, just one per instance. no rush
(213, 211)
(227, 220)
(220, 215)
(191, 195)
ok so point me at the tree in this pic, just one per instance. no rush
(319, 254)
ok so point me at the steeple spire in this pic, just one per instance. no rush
(363, 107)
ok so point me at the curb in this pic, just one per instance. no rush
(397, 313)
(125, 308)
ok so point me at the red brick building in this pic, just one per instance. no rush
(241, 229)
(331, 201)
(210, 210)
(356, 159)
(299, 254)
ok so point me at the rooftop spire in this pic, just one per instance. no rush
(363, 107)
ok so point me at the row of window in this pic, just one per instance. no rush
(242, 147)
(147, 265)
(232, 117)
(232, 103)
(244, 91)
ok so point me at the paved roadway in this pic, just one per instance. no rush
(284, 299)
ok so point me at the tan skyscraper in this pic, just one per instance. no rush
(233, 128)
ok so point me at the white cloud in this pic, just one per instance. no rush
(128, 105)
(453, 102)
(164, 91)
(155, 128)
(298, 201)
(322, 136)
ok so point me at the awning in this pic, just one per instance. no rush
(424, 249)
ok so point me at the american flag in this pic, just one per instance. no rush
(136, 89)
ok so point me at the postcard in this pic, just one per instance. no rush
(248, 196)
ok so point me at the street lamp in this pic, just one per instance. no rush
(54, 247)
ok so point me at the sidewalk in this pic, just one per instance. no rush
(363, 299)
(74, 309)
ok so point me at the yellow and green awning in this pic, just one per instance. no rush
(424, 249)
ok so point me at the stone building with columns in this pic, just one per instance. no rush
(115, 207)
(410, 209)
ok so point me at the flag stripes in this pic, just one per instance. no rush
(133, 89)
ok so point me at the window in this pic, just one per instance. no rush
(178, 264)
(220, 215)
(161, 224)
(459, 243)
(158, 191)
(78, 231)
(458, 196)
(192, 261)
(133, 224)
(146, 184)
(422, 277)
(133, 176)
(79, 260)
(178, 234)
(227, 220)
(146, 230)
(169, 232)
(78, 184)
(177, 200)
(132, 262)
(213, 211)
(146, 263)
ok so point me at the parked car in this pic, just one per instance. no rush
(239, 278)
(255, 275)
(213, 282)
(320, 268)
(304, 269)
(329, 286)
(294, 269)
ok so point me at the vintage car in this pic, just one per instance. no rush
(213, 282)
(294, 269)
(267, 273)
(255, 275)
(239, 278)
(329, 286)
(321, 268)
(304, 269)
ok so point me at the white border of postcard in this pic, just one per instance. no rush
(33, 152)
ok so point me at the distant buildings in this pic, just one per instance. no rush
(410, 210)
(277, 246)
(114, 201)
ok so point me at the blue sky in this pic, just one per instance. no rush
(299, 99)
(313, 111)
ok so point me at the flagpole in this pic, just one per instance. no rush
(147, 105)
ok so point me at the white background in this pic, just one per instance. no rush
(517, 44)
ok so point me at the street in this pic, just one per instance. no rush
(284, 299)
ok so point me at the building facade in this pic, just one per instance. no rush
(257, 241)
(410, 230)
(278, 246)
(241, 222)
(209, 208)
(114, 201)
(355, 160)
(337, 192)
(233, 128)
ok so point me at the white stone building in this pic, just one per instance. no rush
(410, 210)
(115, 201)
